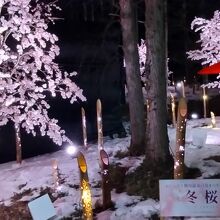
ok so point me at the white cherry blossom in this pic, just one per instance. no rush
(28, 72)
(209, 42)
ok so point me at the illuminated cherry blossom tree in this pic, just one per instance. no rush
(209, 42)
(142, 50)
(28, 73)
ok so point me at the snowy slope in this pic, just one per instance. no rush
(36, 173)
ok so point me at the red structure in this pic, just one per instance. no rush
(213, 69)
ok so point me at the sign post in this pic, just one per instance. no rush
(42, 208)
(190, 198)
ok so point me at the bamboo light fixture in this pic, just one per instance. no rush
(85, 188)
(173, 109)
(180, 86)
(106, 190)
(183, 89)
(180, 139)
(84, 127)
(99, 124)
(18, 143)
(56, 175)
(204, 97)
(213, 121)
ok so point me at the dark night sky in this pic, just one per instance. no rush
(92, 22)
(90, 41)
(182, 38)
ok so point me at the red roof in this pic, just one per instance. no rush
(213, 69)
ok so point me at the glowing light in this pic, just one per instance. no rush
(86, 200)
(205, 97)
(176, 164)
(181, 148)
(71, 150)
(179, 85)
(194, 116)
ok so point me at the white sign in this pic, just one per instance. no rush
(190, 198)
(42, 208)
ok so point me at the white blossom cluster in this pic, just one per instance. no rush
(209, 34)
(142, 50)
(28, 72)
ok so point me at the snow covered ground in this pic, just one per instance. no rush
(36, 173)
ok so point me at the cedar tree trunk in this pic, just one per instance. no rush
(157, 148)
(135, 95)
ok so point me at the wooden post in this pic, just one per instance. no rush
(84, 127)
(204, 101)
(55, 172)
(173, 108)
(18, 143)
(99, 124)
(106, 191)
(180, 139)
(85, 188)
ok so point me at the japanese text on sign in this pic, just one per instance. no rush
(190, 197)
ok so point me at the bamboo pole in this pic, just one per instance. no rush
(99, 124)
(106, 190)
(18, 143)
(55, 172)
(183, 89)
(84, 127)
(173, 108)
(204, 96)
(180, 139)
(213, 121)
(85, 188)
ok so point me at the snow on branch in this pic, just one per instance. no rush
(209, 42)
(28, 72)
(209, 39)
(142, 50)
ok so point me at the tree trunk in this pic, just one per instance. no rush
(135, 95)
(18, 143)
(157, 148)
